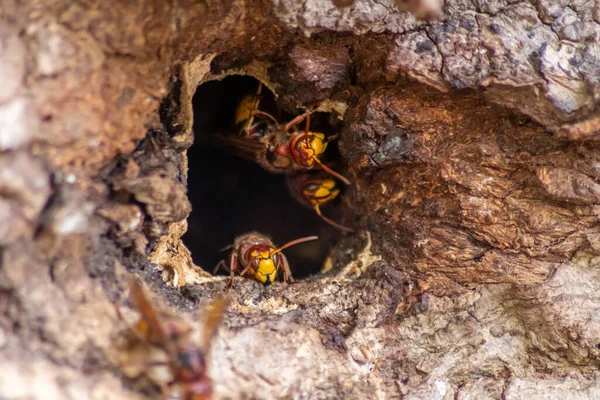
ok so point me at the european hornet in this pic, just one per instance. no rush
(279, 149)
(314, 190)
(185, 360)
(255, 254)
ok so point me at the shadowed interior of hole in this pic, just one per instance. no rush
(231, 196)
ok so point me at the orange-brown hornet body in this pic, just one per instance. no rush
(255, 254)
(280, 149)
(185, 359)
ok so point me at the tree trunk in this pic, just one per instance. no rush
(470, 141)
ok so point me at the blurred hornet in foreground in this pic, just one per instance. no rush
(255, 254)
(313, 190)
(184, 359)
(279, 149)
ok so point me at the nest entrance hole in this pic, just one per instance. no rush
(231, 196)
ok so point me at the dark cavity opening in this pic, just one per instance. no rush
(231, 196)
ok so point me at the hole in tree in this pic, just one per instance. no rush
(231, 196)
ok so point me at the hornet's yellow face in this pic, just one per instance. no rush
(265, 266)
(321, 192)
(244, 109)
(313, 146)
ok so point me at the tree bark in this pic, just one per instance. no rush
(471, 142)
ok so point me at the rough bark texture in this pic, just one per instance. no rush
(471, 142)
